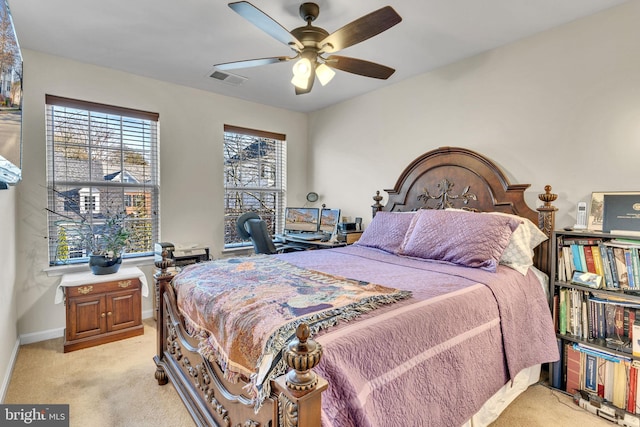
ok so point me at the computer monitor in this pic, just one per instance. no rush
(329, 219)
(301, 219)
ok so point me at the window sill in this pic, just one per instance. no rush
(59, 270)
(238, 250)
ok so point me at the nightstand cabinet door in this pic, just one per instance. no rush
(123, 309)
(86, 317)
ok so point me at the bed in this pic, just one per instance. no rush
(435, 317)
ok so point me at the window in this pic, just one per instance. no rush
(254, 178)
(101, 160)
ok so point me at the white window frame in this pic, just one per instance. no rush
(251, 188)
(126, 134)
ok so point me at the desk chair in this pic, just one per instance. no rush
(251, 226)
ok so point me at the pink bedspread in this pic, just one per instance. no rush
(434, 359)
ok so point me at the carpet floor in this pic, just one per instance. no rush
(113, 385)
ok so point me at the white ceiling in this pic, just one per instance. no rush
(179, 41)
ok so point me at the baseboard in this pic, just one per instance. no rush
(41, 336)
(57, 333)
(9, 372)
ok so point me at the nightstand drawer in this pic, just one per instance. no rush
(98, 288)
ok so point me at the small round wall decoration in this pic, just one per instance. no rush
(312, 197)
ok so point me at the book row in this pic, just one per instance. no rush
(610, 321)
(610, 264)
(610, 377)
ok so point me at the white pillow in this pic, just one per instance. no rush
(519, 252)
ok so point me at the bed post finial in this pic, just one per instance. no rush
(546, 223)
(302, 354)
(376, 207)
(163, 264)
(547, 211)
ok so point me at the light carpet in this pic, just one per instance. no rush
(113, 385)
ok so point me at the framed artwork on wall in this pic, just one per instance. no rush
(596, 208)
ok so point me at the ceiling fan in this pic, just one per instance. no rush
(311, 44)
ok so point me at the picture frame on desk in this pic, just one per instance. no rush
(596, 207)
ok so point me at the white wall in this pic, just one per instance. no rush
(191, 134)
(559, 108)
(8, 318)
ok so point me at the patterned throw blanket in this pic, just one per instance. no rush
(246, 309)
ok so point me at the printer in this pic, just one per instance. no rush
(181, 255)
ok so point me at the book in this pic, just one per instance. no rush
(588, 258)
(602, 372)
(614, 268)
(577, 259)
(580, 240)
(591, 374)
(635, 261)
(625, 243)
(597, 258)
(591, 280)
(621, 268)
(562, 315)
(620, 384)
(601, 320)
(637, 407)
(629, 264)
(606, 266)
(562, 275)
(583, 260)
(572, 369)
(608, 379)
(568, 261)
(585, 320)
(620, 213)
(610, 320)
(619, 322)
(631, 389)
(635, 343)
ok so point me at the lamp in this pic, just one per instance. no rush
(301, 73)
(324, 73)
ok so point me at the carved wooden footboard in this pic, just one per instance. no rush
(213, 401)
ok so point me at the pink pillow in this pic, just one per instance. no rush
(458, 237)
(386, 231)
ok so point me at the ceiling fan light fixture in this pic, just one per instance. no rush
(324, 73)
(301, 72)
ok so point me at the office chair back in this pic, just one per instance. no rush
(251, 226)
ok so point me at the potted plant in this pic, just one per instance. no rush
(103, 235)
(106, 243)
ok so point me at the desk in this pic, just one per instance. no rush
(311, 244)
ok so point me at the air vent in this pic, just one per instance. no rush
(228, 78)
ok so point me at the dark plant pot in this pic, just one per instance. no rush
(102, 265)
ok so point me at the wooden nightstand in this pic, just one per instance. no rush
(350, 237)
(101, 309)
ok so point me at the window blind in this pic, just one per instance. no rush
(254, 178)
(101, 160)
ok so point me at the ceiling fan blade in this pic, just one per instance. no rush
(265, 23)
(360, 30)
(359, 66)
(251, 63)
(312, 78)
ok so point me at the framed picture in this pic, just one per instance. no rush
(596, 208)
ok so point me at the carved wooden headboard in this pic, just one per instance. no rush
(460, 178)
